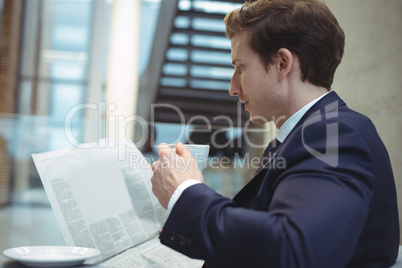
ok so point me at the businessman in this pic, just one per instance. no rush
(334, 202)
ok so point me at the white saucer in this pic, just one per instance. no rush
(50, 256)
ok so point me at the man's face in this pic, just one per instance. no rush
(255, 85)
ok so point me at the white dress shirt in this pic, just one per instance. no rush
(283, 132)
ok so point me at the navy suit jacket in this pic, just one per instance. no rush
(327, 199)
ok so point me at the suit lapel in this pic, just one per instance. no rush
(248, 192)
(252, 190)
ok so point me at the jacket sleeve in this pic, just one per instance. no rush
(315, 217)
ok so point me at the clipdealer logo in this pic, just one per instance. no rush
(116, 125)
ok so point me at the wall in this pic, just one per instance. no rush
(369, 78)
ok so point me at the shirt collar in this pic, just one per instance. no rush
(289, 124)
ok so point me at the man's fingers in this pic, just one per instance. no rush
(164, 150)
(183, 151)
(154, 165)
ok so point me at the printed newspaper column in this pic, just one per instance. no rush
(71, 213)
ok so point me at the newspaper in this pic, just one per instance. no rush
(102, 198)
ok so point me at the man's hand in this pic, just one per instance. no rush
(171, 170)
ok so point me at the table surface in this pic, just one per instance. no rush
(7, 263)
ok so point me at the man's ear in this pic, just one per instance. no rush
(284, 63)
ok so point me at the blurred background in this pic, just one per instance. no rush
(70, 70)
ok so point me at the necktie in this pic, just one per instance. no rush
(268, 153)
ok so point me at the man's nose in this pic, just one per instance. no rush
(235, 88)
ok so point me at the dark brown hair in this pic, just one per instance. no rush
(306, 27)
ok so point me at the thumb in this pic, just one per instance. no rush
(182, 150)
